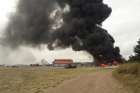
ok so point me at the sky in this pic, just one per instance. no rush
(6, 7)
(123, 25)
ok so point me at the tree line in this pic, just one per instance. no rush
(136, 56)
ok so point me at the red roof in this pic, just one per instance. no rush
(63, 61)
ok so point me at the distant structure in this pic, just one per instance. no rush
(34, 65)
(85, 64)
(1, 65)
(62, 62)
(71, 63)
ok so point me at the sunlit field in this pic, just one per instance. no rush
(35, 80)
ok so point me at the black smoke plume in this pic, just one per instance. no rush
(80, 27)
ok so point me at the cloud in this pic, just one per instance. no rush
(61, 54)
(7, 7)
(22, 55)
(124, 23)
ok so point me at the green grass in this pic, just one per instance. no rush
(35, 80)
(129, 75)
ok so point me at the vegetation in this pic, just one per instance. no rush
(129, 75)
(35, 80)
(137, 53)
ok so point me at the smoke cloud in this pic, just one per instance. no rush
(63, 23)
(20, 56)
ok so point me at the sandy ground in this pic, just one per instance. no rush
(98, 82)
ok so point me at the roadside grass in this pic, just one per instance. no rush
(129, 75)
(35, 80)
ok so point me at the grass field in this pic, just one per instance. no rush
(129, 75)
(35, 80)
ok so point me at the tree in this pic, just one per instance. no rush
(137, 49)
(136, 57)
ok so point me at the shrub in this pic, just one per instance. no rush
(129, 75)
(131, 68)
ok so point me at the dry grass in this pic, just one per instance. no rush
(35, 80)
(129, 75)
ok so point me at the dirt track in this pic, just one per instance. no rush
(99, 82)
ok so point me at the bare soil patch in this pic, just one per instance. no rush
(98, 82)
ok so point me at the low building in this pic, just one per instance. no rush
(62, 62)
(85, 64)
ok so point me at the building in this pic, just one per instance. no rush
(85, 64)
(62, 62)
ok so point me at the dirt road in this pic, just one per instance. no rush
(99, 82)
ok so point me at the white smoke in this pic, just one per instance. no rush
(18, 56)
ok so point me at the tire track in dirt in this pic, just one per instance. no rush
(98, 82)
